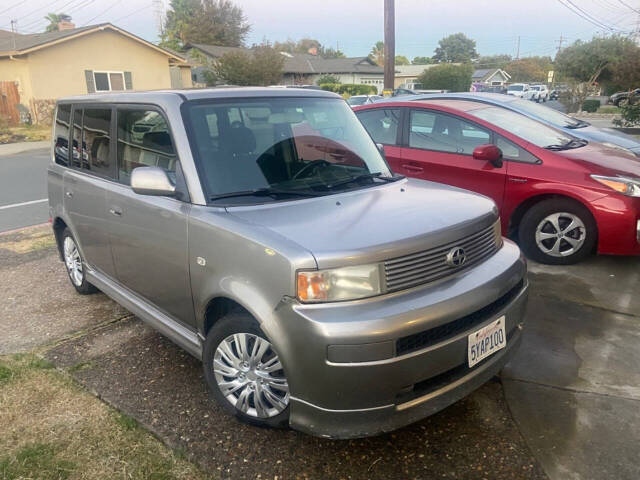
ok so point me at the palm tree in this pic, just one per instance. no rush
(54, 20)
(377, 53)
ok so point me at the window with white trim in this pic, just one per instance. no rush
(108, 81)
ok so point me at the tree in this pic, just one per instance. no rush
(421, 61)
(456, 48)
(530, 69)
(493, 61)
(305, 45)
(260, 66)
(377, 53)
(54, 19)
(625, 75)
(328, 79)
(584, 63)
(212, 22)
(455, 78)
(402, 60)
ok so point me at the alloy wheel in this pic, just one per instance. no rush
(560, 234)
(73, 261)
(250, 376)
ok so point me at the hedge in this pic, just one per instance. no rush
(591, 106)
(349, 88)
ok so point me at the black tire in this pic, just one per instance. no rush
(230, 324)
(541, 211)
(81, 284)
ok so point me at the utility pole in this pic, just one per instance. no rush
(518, 49)
(562, 39)
(14, 30)
(389, 45)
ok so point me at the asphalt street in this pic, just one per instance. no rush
(23, 188)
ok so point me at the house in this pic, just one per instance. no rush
(493, 77)
(39, 68)
(407, 75)
(304, 69)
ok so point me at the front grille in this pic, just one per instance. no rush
(430, 265)
(426, 338)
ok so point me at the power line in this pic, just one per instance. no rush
(629, 6)
(103, 12)
(13, 6)
(587, 16)
(130, 14)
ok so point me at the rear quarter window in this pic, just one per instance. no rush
(61, 135)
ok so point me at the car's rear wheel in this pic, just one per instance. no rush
(244, 373)
(75, 264)
(557, 232)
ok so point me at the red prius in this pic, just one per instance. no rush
(562, 197)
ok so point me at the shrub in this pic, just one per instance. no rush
(349, 88)
(630, 115)
(590, 105)
(455, 78)
(328, 79)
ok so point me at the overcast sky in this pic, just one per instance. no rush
(355, 25)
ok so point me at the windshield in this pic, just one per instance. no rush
(357, 100)
(524, 127)
(535, 87)
(297, 145)
(516, 88)
(547, 114)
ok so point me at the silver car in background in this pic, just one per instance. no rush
(577, 128)
(261, 230)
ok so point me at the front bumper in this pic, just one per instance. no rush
(618, 220)
(352, 373)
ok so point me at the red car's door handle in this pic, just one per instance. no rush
(413, 168)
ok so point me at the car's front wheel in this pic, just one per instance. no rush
(75, 264)
(557, 232)
(244, 373)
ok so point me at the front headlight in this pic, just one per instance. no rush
(335, 284)
(626, 186)
(618, 147)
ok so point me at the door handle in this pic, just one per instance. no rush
(69, 194)
(413, 168)
(117, 213)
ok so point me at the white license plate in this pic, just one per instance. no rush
(487, 341)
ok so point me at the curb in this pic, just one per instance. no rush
(13, 148)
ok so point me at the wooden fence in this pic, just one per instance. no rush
(9, 100)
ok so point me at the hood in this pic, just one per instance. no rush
(609, 135)
(377, 223)
(603, 160)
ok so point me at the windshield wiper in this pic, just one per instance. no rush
(264, 192)
(578, 124)
(363, 176)
(575, 143)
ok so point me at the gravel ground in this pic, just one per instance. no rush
(133, 368)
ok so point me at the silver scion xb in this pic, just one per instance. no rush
(262, 231)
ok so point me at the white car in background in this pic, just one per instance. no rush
(363, 99)
(521, 90)
(541, 93)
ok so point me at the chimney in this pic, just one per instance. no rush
(66, 25)
(313, 51)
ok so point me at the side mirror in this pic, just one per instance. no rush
(489, 153)
(152, 181)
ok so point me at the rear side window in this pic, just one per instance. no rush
(382, 124)
(143, 141)
(97, 140)
(445, 133)
(61, 135)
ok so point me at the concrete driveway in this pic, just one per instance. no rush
(566, 407)
(23, 185)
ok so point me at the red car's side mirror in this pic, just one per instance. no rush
(489, 153)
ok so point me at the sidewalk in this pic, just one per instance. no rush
(13, 148)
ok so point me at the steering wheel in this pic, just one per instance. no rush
(311, 165)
